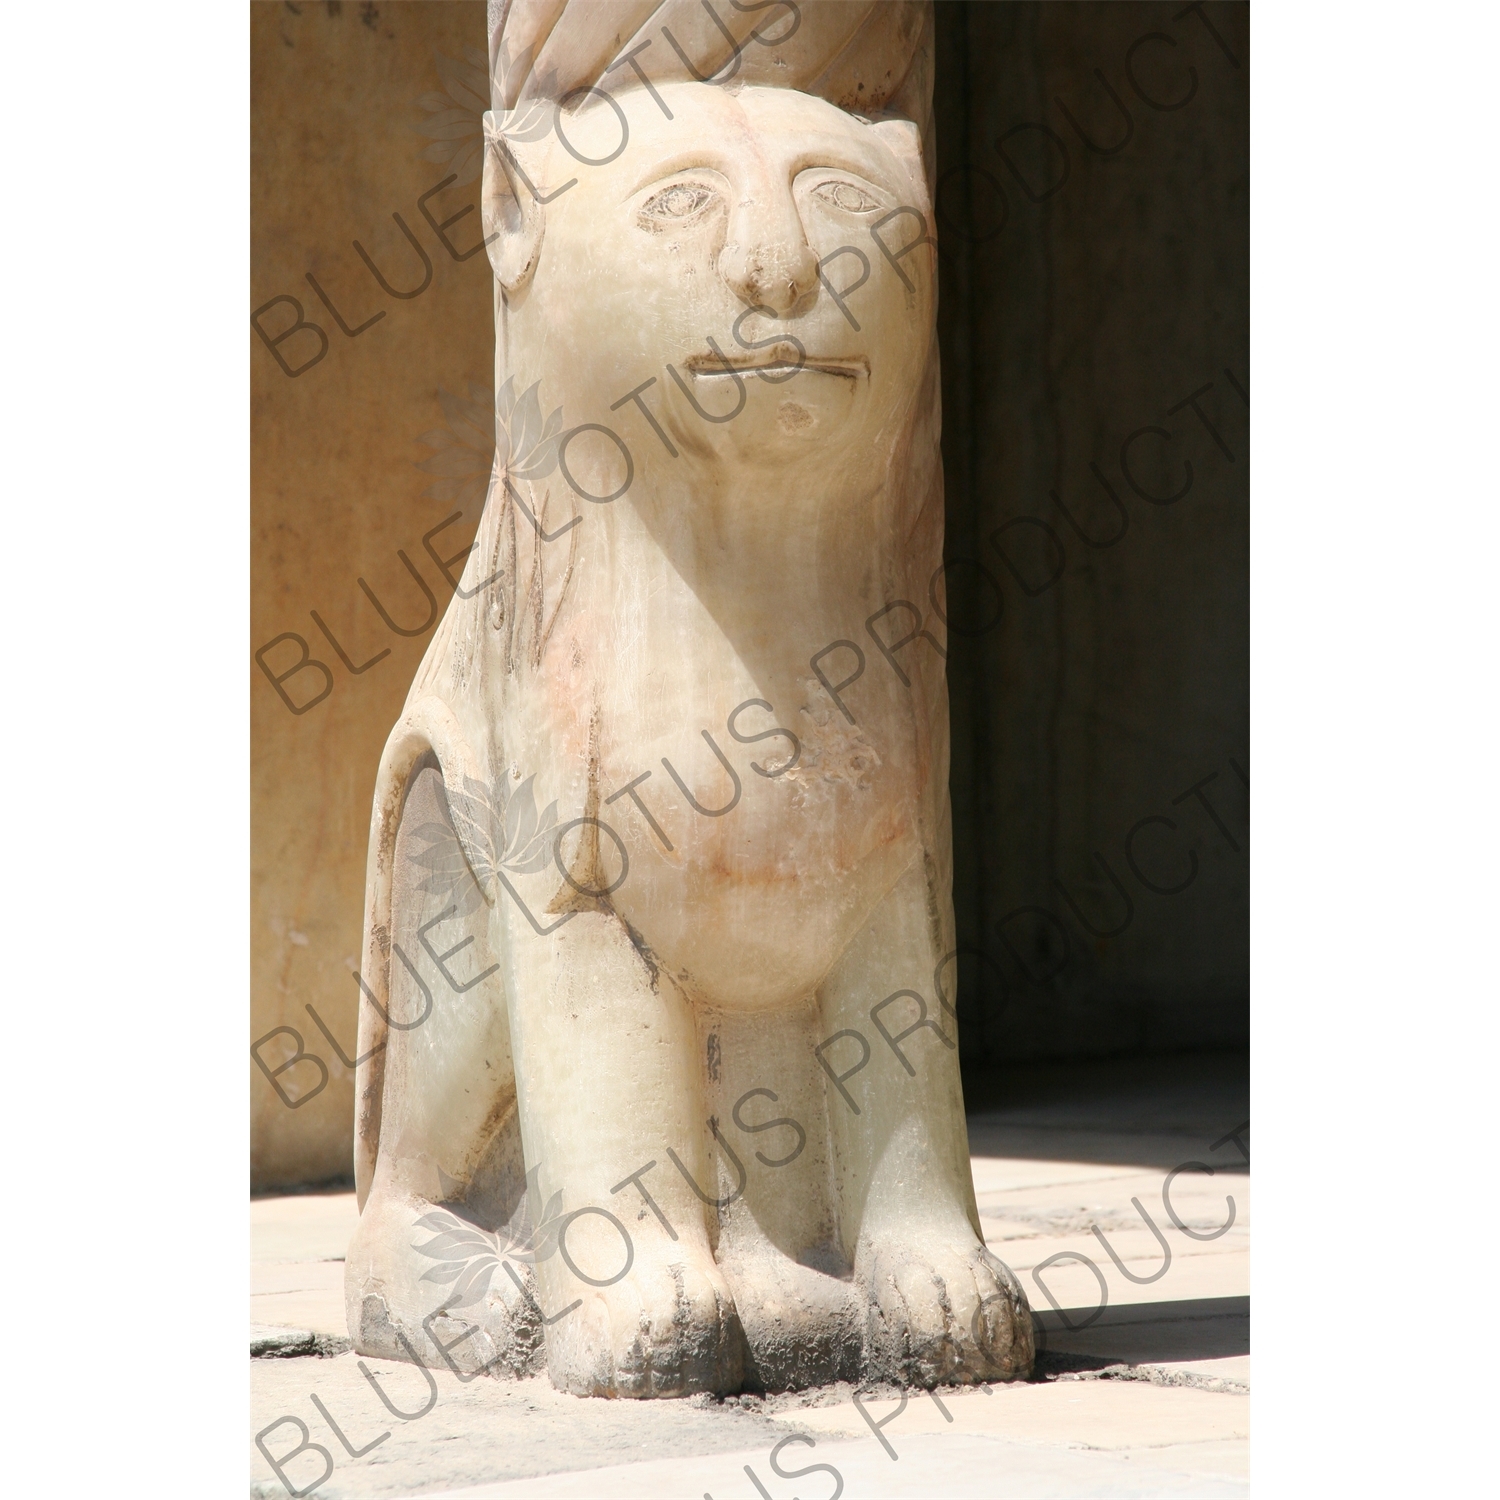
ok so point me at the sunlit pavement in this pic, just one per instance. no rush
(1142, 1384)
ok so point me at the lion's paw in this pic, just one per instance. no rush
(669, 1328)
(943, 1312)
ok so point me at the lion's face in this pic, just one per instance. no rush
(689, 264)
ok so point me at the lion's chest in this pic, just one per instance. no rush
(760, 827)
(749, 820)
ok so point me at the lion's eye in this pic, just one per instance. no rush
(845, 196)
(681, 201)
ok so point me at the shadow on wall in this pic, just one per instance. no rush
(1093, 212)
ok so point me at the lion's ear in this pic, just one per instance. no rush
(513, 219)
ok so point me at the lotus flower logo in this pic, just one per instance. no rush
(464, 455)
(493, 830)
(525, 445)
(481, 428)
(455, 116)
(455, 113)
(468, 1256)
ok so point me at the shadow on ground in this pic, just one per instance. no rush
(1149, 1333)
(1133, 1111)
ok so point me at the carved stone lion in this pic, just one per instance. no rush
(658, 1083)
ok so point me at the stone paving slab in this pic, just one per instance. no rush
(954, 1468)
(1005, 1174)
(1090, 1437)
(302, 1226)
(1148, 1397)
(297, 1246)
(1233, 1370)
(1094, 1414)
(1009, 1191)
(308, 1294)
(482, 1431)
(1099, 1149)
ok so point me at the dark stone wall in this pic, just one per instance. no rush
(1093, 204)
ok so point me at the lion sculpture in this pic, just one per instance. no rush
(658, 1085)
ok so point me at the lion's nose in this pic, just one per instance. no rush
(766, 259)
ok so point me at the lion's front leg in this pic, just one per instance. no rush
(605, 1057)
(423, 1275)
(941, 1307)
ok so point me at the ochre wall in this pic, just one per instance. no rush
(337, 98)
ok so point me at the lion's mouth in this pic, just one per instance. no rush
(781, 361)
